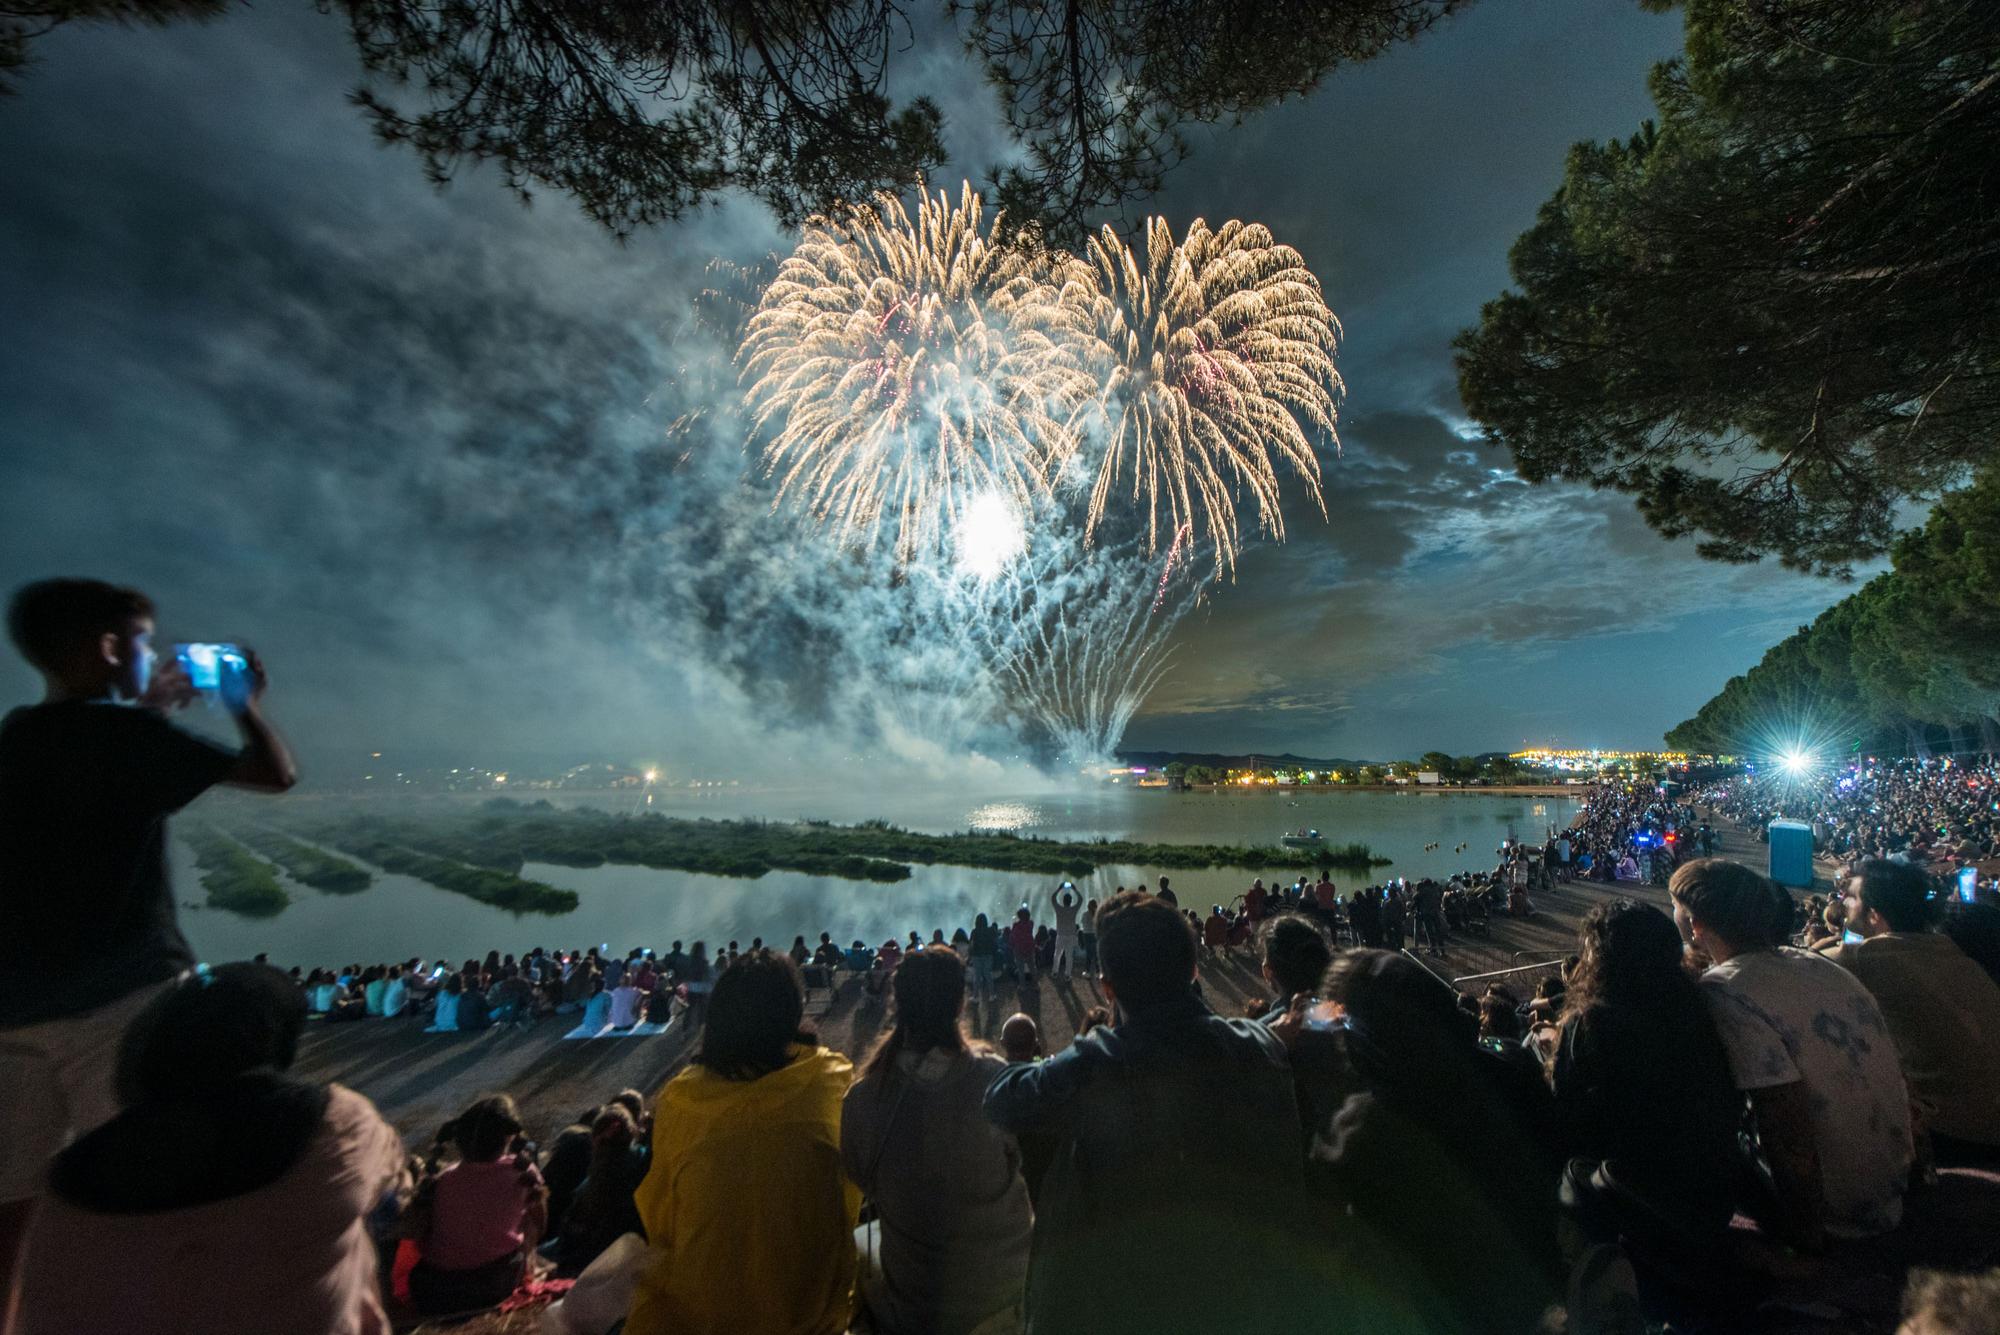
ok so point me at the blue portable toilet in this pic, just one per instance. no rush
(1792, 853)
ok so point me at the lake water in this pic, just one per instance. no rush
(399, 917)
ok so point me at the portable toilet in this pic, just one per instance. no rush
(1792, 853)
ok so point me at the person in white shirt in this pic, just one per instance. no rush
(1067, 901)
(625, 1003)
(1810, 1048)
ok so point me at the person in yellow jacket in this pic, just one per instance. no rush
(749, 1216)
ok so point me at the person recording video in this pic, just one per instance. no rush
(88, 930)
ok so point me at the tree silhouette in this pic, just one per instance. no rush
(1773, 317)
(643, 110)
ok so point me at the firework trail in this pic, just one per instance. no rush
(906, 364)
(1028, 426)
(1218, 355)
(1167, 569)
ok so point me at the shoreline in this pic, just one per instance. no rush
(1576, 790)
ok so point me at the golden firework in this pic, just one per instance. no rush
(909, 365)
(1218, 358)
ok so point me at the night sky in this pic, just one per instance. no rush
(407, 442)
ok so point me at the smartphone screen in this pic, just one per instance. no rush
(205, 664)
(1968, 884)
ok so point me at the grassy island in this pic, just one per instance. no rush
(306, 864)
(432, 855)
(234, 878)
(505, 835)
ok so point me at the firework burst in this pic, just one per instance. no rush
(907, 366)
(1218, 363)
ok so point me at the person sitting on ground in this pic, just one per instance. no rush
(565, 1164)
(626, 1001)
(1435, 1131)
(827, 956)
(476, 1221)
(1643, 1093)
(374, 982)
(1021, 1038)
(953, 1217)
(395, 993)
(800, 955)
(1811, 1049)
(749, 1216)
(602, 1210)
(1121, 1244)
(164, 1218)
(596, 1010)
(1943, 1010)
(886, 960)
(473, 1013)
(512, 1000)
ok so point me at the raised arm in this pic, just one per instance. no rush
(266, 762)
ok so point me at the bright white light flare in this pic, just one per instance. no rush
(989, 535)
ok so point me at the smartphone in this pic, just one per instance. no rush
(1968, 885)
(1850, 937)
(209, 665)
(1325, 1017)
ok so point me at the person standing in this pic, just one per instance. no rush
(1021, 944)
(984, 956)
(1067, 901)
(88, 930)
(1087, 937)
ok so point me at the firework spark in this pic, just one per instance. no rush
(1218, 352)
(905, 364)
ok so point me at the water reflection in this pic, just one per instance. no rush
(399, 917)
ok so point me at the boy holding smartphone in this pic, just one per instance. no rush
(88, 931)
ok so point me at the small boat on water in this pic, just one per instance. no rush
(1302, 838)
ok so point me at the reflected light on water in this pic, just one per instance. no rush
(1002, 816)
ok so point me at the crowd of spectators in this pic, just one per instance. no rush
(1631, 1143)
(1699, 1123)
(1940, 814)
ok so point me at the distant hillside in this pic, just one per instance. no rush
(1161, 759)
